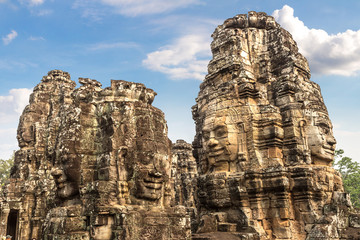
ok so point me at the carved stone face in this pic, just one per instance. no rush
(321, 141)
(67, 177)
(26, 130)
(220, 143)
(152, 164)
(150, 179)
(25, 136)
(214, 191)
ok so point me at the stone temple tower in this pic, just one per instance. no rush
(93, 164)
(264, 143)
(96, 163)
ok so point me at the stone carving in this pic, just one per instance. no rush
(184, 175)
(94, 164)
(264, 141)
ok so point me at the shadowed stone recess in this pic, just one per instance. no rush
(264, 143)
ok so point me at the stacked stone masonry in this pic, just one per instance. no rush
(96, 163)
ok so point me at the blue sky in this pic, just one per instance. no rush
(165, 45)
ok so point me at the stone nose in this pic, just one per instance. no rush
(56, 172)
(212, 142)
(155, 173)
(331, 140)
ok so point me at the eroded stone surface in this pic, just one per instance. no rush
(184, 176)
(264, 140)
(184, 173)
(94, 164)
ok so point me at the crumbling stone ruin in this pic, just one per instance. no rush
(94, 164)
(97, 164)
(264, 141)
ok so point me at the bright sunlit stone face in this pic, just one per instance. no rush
(220, 144)
(321, 140)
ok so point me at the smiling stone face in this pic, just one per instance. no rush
(67, 177)
(321, 140)
(220, 143)
(150, 175)
(149, 183)
(151, 165)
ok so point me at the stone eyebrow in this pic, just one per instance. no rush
(217, 126)
(206, 130)
(323, 122)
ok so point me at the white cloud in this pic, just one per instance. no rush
(8, 38)
(104, 46)
(141, 7)
(91, 9)
(186, 58)
(36, 2)
(12, 105)
(130, 8)
(32, 38)
(10, 64)
(34, 6)
(349, 142)
(42, 12)
(32, 2)
(8, 142)
(337, 54)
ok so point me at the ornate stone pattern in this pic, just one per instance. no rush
(184, 173)
(184, 176)
(94, 164)
(264, 141)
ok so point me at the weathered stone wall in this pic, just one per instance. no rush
(94, 164)
(184, 173)
(264, 140)
(184, 177)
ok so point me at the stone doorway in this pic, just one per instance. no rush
(12, 224)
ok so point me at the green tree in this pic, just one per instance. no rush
(5, 167)
(350, 172)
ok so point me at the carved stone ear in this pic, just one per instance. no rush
(302, 123)
(123, 151)
(240, 126)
